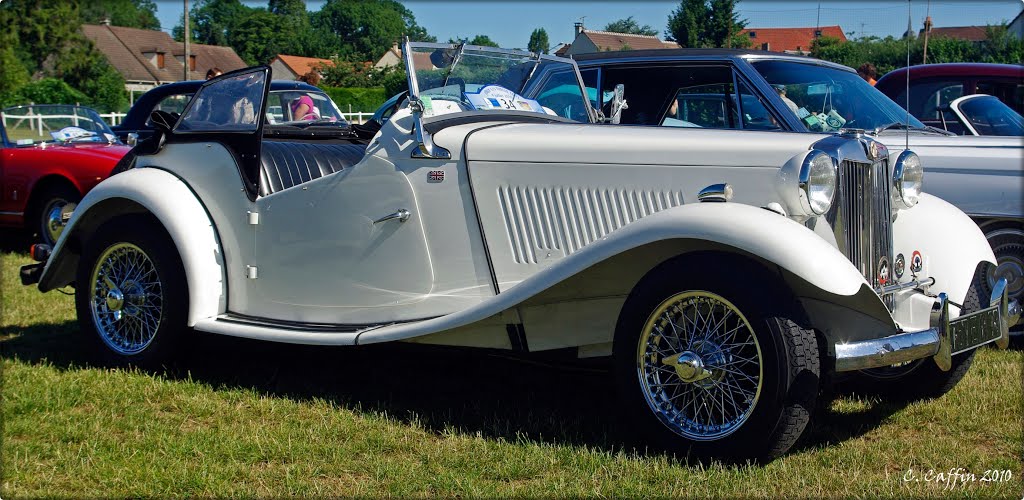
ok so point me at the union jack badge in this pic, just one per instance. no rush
(435, 176)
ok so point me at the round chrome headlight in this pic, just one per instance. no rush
(817, 183)
(907, 179)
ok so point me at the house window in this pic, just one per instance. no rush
(817, 33)
(191, 62)
(753, 34)
(764, 46)
(160, 60)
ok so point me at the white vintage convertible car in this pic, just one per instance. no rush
(726, 275)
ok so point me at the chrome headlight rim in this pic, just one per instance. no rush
(908, 164)
(817, 162)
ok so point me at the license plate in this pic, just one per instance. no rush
(974, 329)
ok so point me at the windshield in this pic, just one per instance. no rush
(25, 126)
(826, 99)
(475, 78)
(989, 116)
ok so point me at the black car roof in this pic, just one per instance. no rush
(626, 56)
(193, 85)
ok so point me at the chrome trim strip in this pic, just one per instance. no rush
(12, 213)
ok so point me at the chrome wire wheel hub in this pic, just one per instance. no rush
(699, 365)
(126, 298)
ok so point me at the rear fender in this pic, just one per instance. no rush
(168, 199)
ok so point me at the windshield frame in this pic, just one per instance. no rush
(767, 89)
(107, 136)
(535, 77)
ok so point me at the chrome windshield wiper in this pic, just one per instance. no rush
(890, 126)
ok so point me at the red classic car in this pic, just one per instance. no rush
(51, 155)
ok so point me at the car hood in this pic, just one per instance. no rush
(96, 151)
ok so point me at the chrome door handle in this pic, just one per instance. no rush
(402, 215)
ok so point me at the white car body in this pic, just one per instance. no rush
(525, 231)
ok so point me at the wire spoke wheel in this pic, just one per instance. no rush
(699, 365)
(126, 298)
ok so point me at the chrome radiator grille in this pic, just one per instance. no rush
(862, 219)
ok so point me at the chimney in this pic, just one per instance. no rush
(105, 21)
(578, 27)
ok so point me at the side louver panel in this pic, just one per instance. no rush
(565, 219)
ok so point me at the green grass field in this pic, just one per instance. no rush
(240, 418)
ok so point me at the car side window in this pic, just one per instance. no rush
(230, 104)
(755, 113)
(561, 93)
(928, 98)
(172, 104)
(676, 96)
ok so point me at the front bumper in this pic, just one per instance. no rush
(944, 339)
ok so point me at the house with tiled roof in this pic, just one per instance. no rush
(589, 41)
(790, 40)
(1016, 27)
(147, 58)
(393, 57)
(286, 67)
(969, 33)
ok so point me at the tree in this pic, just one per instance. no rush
(539, 41)
(129, 13)
(686, 25)
(365, 28)
(415, 32)
(630, 26)
(213, 20)
(483, 41)
(704, 23)
(260, 37)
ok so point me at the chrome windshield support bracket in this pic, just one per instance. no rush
(899, 287)
(425, 147)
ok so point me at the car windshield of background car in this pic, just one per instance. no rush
(29, 125)
(989, 116)
(828, 99)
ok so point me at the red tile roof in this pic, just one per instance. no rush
(791, 39)
(301, 65)
(607, 40)
(970, 33)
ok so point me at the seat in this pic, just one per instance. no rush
(288, 164)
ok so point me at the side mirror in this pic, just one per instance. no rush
(132, 139)
(618, 104)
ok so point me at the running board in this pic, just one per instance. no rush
(280, 332)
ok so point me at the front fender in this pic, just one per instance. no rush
(610, 267)
(174, 205)
(950, 243)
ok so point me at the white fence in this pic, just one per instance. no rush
(113, 119)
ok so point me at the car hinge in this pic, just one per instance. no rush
(250, 272)
(254, 218)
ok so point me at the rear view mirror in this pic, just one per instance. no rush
(132, 139)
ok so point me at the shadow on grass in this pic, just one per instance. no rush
(551, 399)
(12, 240)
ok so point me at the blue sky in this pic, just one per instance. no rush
(509, 23)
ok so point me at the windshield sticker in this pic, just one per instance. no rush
(69, 133)
(498, 97)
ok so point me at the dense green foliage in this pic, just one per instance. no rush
(891, 53)
(395, 83)
(539, 41)
(481, 40)
(706, 23)
(351, 30)
(357, 99)
(50, 91)
(45, 37)
(630, 26)
(130, 13)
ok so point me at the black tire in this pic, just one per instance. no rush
(43, 202)
(921, 379)
(1007, 242)
(153, 302)
(790, 364)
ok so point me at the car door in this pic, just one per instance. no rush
(345, 248)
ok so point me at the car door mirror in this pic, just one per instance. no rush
(618, 104)
(132, 139)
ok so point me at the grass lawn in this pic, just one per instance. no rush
(241, 418)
